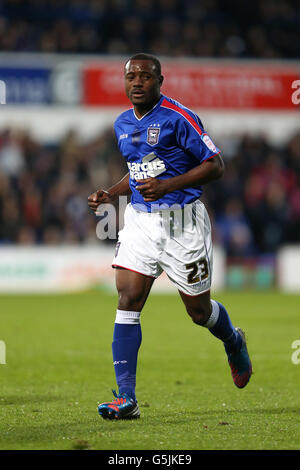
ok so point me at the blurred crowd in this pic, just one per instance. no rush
(256, 205)
(196, 28)
(254, 208)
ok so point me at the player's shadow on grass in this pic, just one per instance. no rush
(31, 399)
(45, 434)
(250, 411)
(222, 416)
(272, 411)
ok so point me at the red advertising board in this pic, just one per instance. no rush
(219, 86)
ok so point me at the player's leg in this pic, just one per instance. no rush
(133, 289)
(187, 261)
(213, 315)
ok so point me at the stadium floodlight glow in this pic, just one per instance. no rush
(2, 92)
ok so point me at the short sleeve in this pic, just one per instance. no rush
(117, 130)
(192, 138)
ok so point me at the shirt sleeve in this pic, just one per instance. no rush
(116, 131)
(192, 138)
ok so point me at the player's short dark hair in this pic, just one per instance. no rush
(144, 56)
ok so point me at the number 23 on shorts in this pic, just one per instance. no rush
(193, 275)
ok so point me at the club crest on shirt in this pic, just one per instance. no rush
(153, 135)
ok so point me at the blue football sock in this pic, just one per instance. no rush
(219, 324)
(127, 339)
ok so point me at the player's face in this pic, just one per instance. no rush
(142, 84)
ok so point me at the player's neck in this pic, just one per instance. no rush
(141, 110)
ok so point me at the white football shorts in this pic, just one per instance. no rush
(175, 241)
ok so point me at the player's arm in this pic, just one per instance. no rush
(210, 170)
(102, 196)
(152, 188)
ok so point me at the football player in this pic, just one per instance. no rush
(166, 226)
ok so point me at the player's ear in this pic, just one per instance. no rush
(160, 79)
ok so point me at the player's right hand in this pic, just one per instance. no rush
(98, 197)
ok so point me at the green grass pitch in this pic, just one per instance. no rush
(59, 366)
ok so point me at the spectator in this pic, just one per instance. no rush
(43, 189)
(11, 155)
(257, 29)
(233, 230)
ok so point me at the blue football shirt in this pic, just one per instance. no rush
(167, 141)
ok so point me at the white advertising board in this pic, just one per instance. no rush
(288, 269)
(66, 269)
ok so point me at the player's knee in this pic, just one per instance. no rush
(131, 299)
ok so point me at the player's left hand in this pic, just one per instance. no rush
(151, 188)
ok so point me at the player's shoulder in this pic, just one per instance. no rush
(178, 111)
(125, 117)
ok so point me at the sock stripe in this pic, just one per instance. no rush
(127, 317)
(214, 316)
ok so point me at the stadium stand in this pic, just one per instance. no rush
(43, 191)
(210, 28)
(255, 208)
